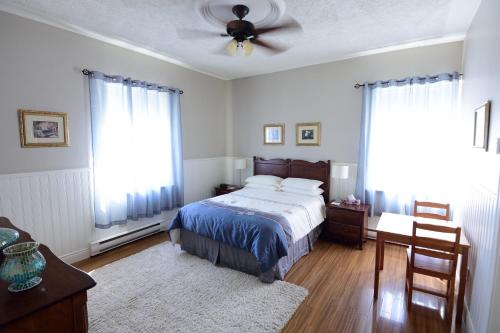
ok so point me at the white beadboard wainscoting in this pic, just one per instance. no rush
(55, 206)
(479, 220)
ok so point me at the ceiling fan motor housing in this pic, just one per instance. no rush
(240, 30)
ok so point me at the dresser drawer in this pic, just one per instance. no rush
(345, 216)
(343, 231)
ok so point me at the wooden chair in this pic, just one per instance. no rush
(426, 204)
(433, 257)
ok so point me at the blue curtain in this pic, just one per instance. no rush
(136, 147)
(408, 142)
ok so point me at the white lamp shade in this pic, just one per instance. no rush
(240, 164)
(340, 171)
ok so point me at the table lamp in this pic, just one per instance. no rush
(339, 172)
(240, 164)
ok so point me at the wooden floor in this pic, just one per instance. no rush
(340, 283)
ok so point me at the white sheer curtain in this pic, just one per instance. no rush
(411, 143)
(137, 151)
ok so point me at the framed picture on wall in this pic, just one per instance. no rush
(481, 126)
(43, 129)
(308, 134)
(274, 134)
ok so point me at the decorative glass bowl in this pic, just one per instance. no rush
(7, 237)
(22, 266)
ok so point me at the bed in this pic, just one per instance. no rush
(253, 230)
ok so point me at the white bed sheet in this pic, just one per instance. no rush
(303, 212)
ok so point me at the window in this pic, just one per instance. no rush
(136, 143)
(410, 143)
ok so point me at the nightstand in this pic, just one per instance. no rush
(225, 190)
(347, 223)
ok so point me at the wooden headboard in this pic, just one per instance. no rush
(285, 168)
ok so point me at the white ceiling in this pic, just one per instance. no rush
(332, 29)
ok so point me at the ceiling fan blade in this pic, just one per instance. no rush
(273, 48)
(290, 26)
(198, 34)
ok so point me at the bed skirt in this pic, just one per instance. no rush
(227, 256)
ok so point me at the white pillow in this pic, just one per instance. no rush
(264, 180)
(302, 183)
(262, 187)
(314, 192)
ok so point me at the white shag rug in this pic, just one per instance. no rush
(164, 289)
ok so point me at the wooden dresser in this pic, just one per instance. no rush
(347, 223)
(57, 304)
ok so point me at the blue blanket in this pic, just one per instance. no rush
(264, 235)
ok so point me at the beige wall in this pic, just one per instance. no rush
(324, 93)
(40, 69)
(482, 83)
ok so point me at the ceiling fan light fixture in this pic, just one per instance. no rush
(247, 47)
(232, 47)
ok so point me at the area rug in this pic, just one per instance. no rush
(164, 289)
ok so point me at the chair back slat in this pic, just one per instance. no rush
(434, 244)
(427, 204)
(428, 246)
(436, 227)
(434, 254)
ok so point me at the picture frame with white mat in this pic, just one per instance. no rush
(43, 129)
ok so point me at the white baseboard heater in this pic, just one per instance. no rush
(109, 243)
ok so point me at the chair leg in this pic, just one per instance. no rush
(410, 288)
(382, 255)
(407, 271)
(451, 298)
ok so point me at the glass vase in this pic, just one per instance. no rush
(22, 266)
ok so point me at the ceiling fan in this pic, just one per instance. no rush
(244, 34)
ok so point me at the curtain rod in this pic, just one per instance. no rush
(357, 85)
(88, 72)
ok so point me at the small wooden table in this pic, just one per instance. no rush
(398, 228)
(57, 304)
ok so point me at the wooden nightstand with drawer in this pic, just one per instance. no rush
(347, 223)
(220, 190)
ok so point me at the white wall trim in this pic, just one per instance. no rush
(75, 256)
(204, 158)
(387, 49)
(38, 173)
(113, 41)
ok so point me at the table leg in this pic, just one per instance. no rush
(377, 265)
(382, 255)
(461, 287)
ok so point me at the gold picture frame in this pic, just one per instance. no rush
(481, 126)
(308, 134)
(274, 134)
(43, 129)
